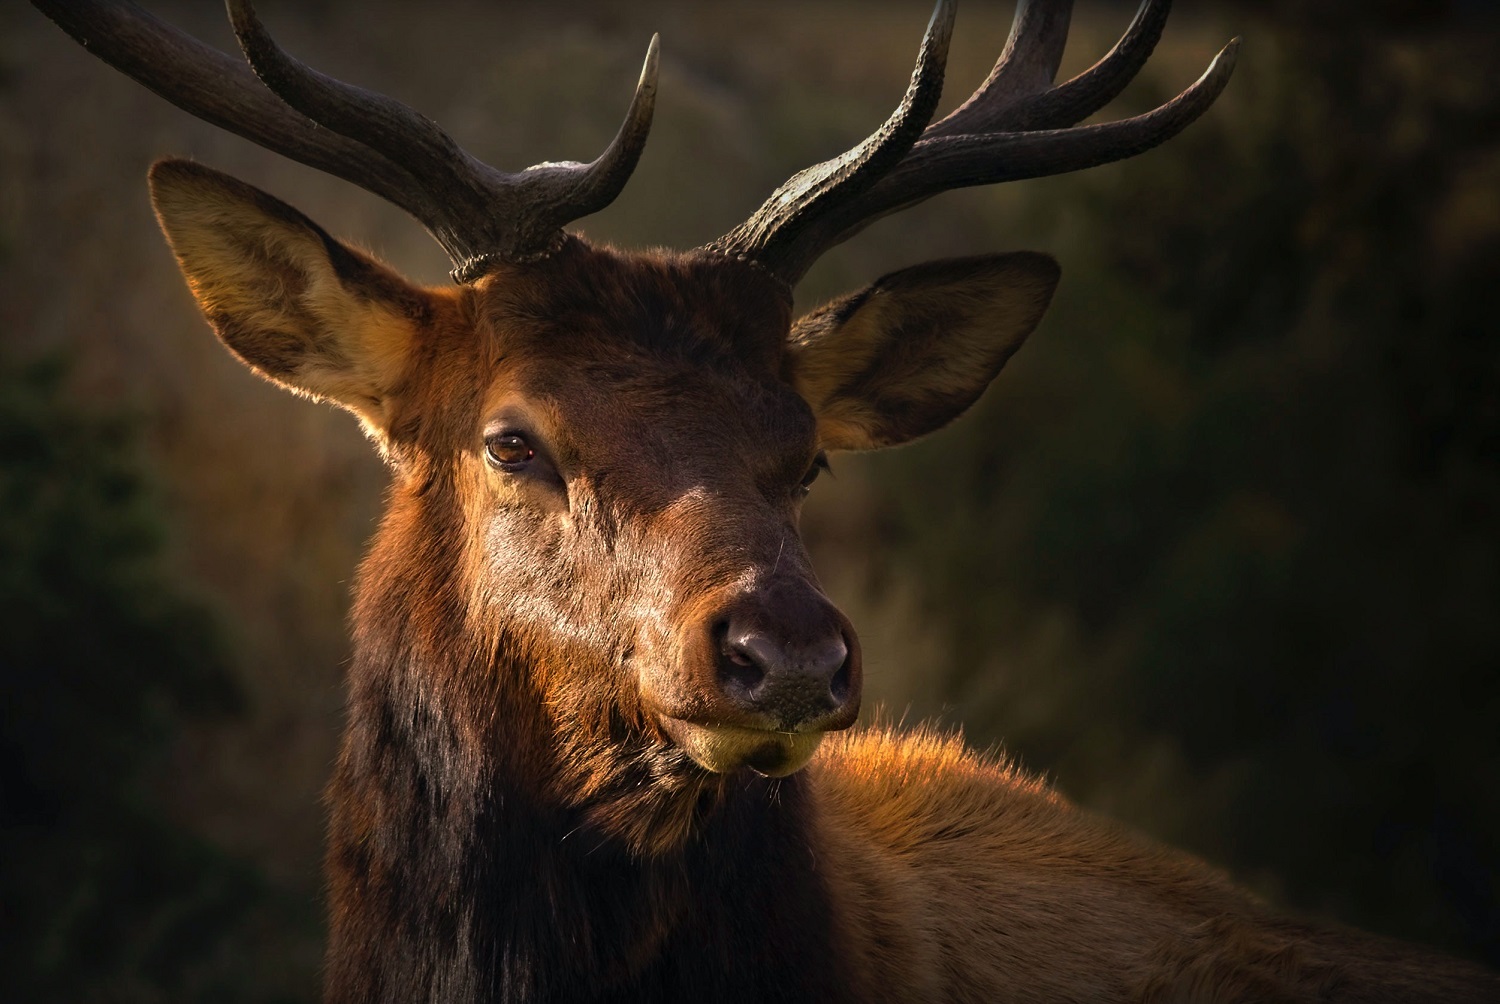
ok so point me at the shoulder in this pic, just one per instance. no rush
(925, 784)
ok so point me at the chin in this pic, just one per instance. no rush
(724, 749)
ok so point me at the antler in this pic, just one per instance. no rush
(477, 213)
(1016, 125)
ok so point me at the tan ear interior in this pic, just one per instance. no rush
(292, 303)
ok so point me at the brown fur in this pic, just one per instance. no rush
(510, 818)
(974, 881)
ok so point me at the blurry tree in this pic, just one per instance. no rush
(1226, 561)
(102, 662)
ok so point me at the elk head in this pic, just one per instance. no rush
(599, 456)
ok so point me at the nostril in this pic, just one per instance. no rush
(839, 685)
(739, 671)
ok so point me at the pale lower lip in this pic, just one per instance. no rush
(725, 748)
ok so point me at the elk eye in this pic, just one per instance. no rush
(819, 465)
(508, 451)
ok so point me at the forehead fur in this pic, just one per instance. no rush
(693, 305)
(591, 323)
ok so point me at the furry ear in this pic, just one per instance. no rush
(912, 352)
(295, 305)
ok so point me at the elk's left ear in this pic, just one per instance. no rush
(912, 352)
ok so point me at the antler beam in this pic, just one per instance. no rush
(477, 213)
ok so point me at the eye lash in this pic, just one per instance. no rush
(818, 466)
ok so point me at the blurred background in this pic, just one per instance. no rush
(1218, 553)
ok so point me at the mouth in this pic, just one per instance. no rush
(726, 748)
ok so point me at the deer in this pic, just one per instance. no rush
(598, 742)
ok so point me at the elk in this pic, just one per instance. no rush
(595, 747)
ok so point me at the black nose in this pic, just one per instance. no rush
(788, 663)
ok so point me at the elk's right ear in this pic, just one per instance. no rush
(294, 304)
(909, 354)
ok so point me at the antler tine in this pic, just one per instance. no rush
(379, 122)
(1008, 130)
(810, 194)
(605, 178)
(555, 193)
(1072, 102)
(1026, 66)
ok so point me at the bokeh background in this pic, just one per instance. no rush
(1218, 552)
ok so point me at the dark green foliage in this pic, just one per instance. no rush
(102, 662)
(1226, 559)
